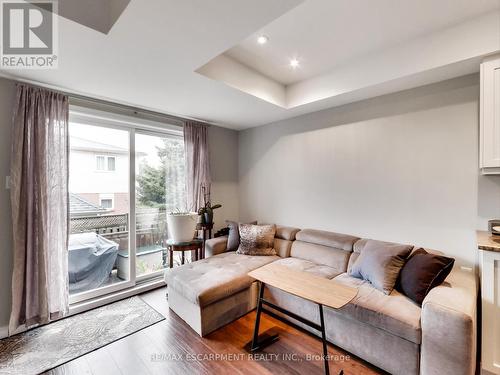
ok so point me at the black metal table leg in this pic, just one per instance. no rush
(266, 338)
(323, 336)
(259, 342)
(257, 318)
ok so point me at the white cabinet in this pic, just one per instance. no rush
(489, 134)
(490, 293)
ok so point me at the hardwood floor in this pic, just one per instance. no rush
(172, 347)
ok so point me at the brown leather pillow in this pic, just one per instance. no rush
(422, 272)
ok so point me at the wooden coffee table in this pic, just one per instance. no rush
(323, 292)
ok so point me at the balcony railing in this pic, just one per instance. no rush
(151, 233)
(151, 227)
(104, 224)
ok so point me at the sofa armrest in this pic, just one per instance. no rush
(215, 246)
(449, 321)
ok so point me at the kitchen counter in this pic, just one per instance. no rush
(487, 241)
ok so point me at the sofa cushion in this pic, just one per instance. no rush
(282, 247)
(212, 279)
(214, 246)
(299, 306)
(394, 313)
(286, 233)
(298, 264)
(321, 247)
(331, 239)
(320, 254)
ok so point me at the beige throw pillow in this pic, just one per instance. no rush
(380, 263)
(256, 239)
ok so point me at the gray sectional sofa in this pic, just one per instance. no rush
(389, 331)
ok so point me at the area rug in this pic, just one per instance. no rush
(51, 345)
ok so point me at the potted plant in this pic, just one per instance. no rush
(207, 211)
(181, 225)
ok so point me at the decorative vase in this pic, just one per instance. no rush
(181, 226)
(208, 217)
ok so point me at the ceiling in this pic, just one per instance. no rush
(325, 34)
(96, 14)
(153, 55)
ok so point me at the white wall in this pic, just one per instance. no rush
(223, 148)
(401, 167)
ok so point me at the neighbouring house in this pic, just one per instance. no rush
(99, 175)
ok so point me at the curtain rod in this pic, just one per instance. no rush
(135, 110)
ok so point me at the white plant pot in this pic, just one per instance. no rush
(181, 227)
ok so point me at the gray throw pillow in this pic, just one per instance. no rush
(257, 239)
(233, 239)
(380, 263)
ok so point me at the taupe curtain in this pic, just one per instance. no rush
(39, 199)
(197, 162)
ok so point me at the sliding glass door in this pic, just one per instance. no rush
(160, 188)
(124, 176)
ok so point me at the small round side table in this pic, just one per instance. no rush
(205, 228)
(195, 245)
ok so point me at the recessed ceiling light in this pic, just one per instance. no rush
(294, 63)
(262, 39)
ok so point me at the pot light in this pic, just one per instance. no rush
(262, 39)
(294, 63)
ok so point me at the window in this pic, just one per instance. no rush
(100, 162)
(107, 203)
(111, 163)
(107, 200)
(105, 163)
